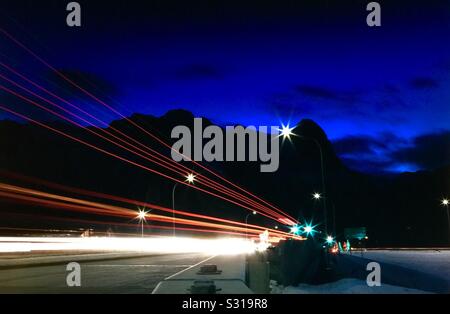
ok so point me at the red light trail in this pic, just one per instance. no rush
(17, 42)
(123, 141)
(123, 200)
(50, 200)
(158, 161)
(126, 160)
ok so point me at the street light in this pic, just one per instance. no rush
(295, 229)
(318, 196)
(246, 219)
(308, 229)
(141, 216)
(286, 131)
(445, 202)
(190, 178)
(330, 240)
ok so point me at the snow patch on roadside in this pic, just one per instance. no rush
(433, 262)
(343, 286)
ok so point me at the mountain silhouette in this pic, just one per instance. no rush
(399, 209)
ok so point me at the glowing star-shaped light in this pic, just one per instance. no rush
(141, 214)
(308, 229)
(286, 131)
(295, 229)
(190, 178)
(445, 202)
(317, 196)
(330, 239)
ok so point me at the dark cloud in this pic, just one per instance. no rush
(367, 165)
(387, 152)
(430, 151)
(326, 94)
(357, 144)
(319, 102)
(286, 105)
(367, 144)
(423, 83)
(311, 100)
(198, 71)
(89, 81)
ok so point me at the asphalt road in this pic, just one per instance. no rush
(130, 275)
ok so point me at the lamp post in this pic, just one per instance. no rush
(286, 132)
(173, 208)
(322, 175)
(141, 216)
(190, 178)
(445, 202)
(246, 220)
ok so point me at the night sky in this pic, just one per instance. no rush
(381, 94)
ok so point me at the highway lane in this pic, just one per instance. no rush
(129, 275)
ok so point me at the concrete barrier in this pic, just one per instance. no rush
(229, 279)
(258, 273)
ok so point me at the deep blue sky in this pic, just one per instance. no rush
(381, 94)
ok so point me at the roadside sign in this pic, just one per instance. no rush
(355, 233)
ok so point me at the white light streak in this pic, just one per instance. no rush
(222, 246)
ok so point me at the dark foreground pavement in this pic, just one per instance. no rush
(128, 275)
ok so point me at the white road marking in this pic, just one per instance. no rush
(192, 266)
(137, 265)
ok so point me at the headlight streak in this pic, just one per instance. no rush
(222, 246)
